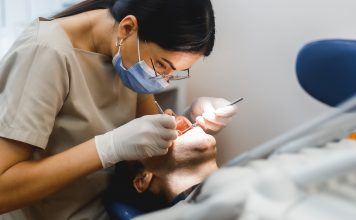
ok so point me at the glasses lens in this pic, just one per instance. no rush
(177, 75)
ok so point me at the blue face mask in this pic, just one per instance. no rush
(139, 77)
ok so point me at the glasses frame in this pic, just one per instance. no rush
(166, 76)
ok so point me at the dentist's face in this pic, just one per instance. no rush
(163, 61)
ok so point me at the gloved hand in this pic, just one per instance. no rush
(212, 114)
(143, 137)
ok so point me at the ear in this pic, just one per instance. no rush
(127, 26)
(142, 181)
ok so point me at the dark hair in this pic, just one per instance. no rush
(121, 190)
(176, 25)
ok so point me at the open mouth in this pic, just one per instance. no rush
(183, 124)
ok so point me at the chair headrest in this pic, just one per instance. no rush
(122, 211)
(326, 69)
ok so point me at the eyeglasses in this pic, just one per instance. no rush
(177, 75)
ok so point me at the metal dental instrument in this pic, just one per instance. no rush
(235, 102)
(159, 107)
(196, 124)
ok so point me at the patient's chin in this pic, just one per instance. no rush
(197, 140)
(207, 147)
(194, 155)
(206, 153)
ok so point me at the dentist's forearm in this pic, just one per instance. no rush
(29, 181)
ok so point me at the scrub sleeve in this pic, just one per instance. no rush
(33, 90)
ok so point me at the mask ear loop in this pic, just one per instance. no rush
(138, 49)
(119, 44)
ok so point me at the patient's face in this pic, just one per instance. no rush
(158, 180)
(188, 162)
(191, 149)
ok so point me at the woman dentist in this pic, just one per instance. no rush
(76, 97)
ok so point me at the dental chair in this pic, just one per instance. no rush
(325, 69)
(318, 170)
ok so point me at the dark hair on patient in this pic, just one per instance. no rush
(121, 190)
(176, 25)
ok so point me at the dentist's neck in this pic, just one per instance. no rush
(101, 28)
(92, 31)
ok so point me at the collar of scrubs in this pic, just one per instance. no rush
(183, 195)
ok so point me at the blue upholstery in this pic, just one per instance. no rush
(326, 69)
(122, 211)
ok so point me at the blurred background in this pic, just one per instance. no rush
(16, 14)
(256, 46)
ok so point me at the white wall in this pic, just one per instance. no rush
(21, 12)
(254, 57)
(17, 14)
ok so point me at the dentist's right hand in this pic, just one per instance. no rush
(148, 136)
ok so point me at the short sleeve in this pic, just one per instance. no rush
(33, 85)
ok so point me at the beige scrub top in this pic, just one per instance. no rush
(54, 96)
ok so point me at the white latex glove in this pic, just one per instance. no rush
(212, 114)
(143, 137)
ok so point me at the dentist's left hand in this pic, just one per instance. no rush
(212, 114)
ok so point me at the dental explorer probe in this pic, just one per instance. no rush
(159, 107)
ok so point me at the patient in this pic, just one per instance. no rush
(160, 182)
